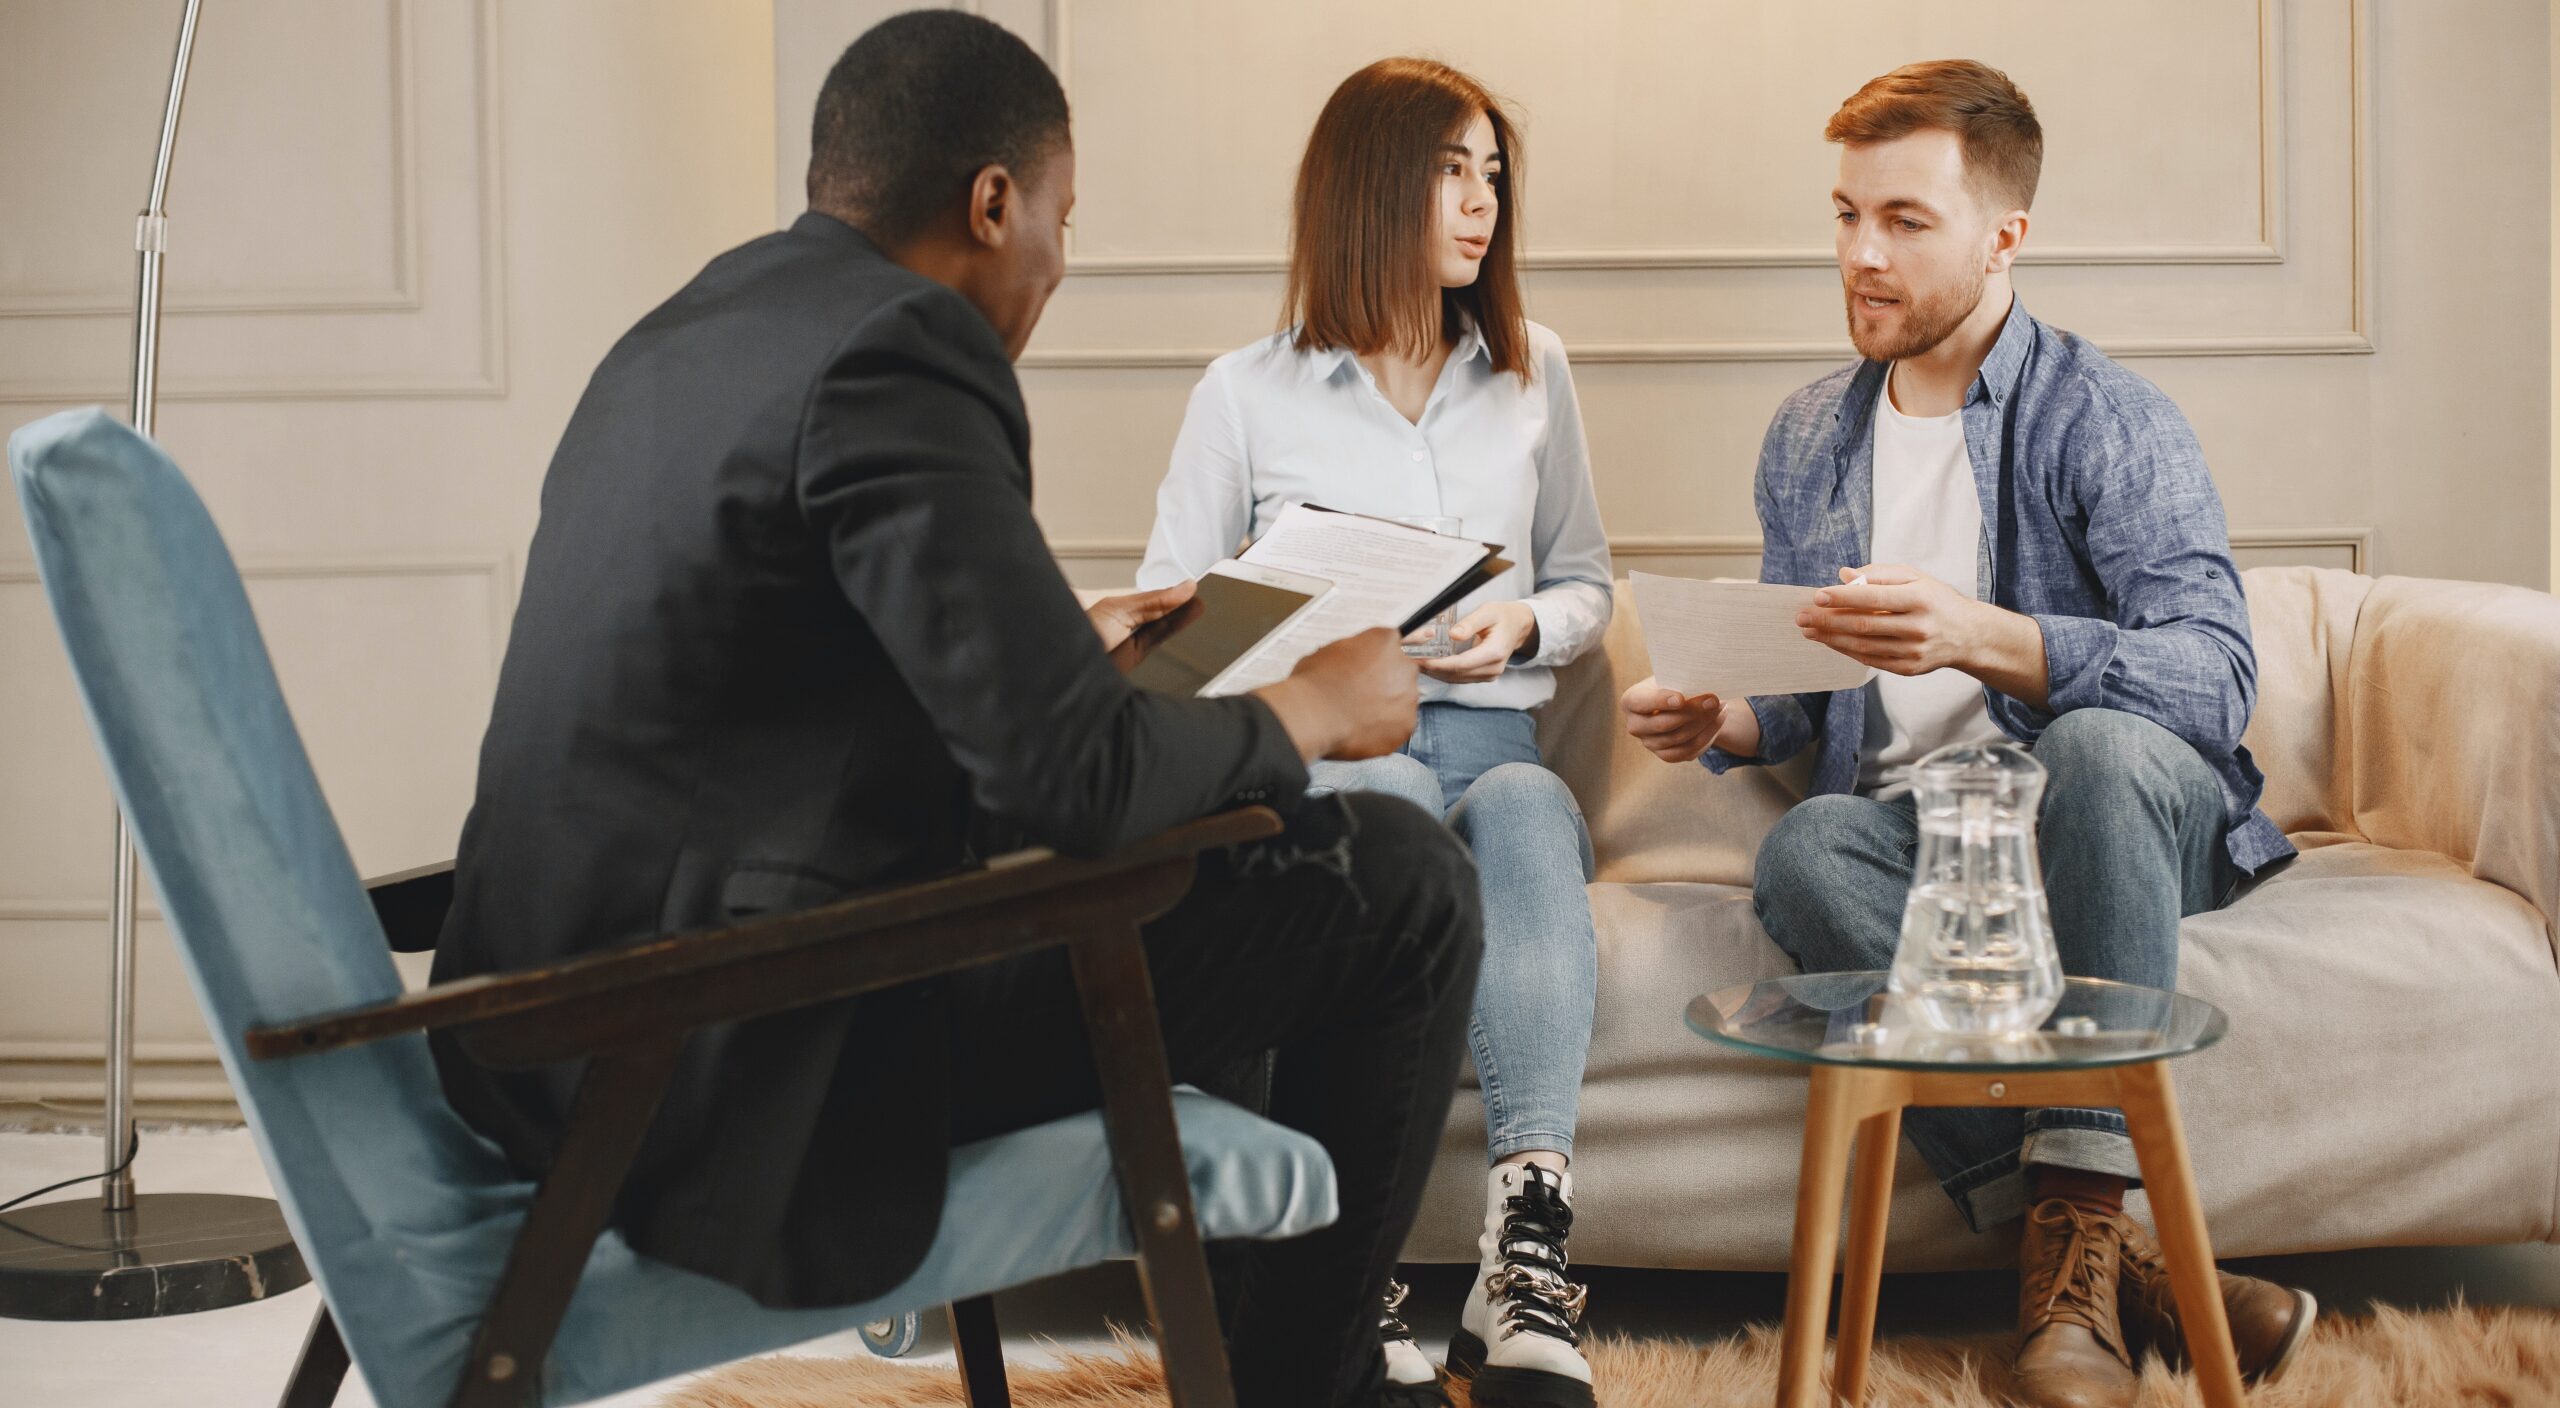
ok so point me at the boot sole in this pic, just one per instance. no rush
(1528, 1388)
(2306, 1309)
(1466, 1355)
(1499, 1388)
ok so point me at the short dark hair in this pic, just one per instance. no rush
(1993, 122)
(916, 107)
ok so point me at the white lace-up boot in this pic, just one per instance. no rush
(1520, 1337)
(1413, 1381)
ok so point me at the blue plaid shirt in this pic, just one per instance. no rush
(2098, 519)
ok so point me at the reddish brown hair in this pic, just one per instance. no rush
(1360, 274)
(2003, 144)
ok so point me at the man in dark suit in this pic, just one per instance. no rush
(789, 630)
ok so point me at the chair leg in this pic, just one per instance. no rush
(616, 1099)
(322, 1367)
(1146, 1153)
(981, 1352)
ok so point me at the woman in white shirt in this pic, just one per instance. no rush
(1409, 385)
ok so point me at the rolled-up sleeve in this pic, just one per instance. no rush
(2174, 646)
(1572, 600)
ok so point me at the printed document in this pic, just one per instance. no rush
(1735, 639)
(1383, 574)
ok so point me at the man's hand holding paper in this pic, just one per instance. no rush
(1734, 639)
(1904, 621)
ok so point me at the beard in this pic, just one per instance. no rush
(1926, 320)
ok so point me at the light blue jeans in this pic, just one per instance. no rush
(2131, 839)
(1479, 769)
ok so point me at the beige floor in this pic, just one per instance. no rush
(241, 1356)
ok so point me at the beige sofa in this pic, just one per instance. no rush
(2392, 1075)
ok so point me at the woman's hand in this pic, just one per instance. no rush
(1489, 636)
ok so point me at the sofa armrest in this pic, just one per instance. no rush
(2453, 729)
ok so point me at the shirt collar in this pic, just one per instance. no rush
(2001, 368)
(1324, 362)
(2008, 356)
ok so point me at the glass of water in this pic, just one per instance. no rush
(1431, 641)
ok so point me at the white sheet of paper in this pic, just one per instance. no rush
(1735, 639)
(1381, 572)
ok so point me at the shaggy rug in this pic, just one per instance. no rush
(2459, 1357)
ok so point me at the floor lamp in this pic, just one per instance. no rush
(118, 1255)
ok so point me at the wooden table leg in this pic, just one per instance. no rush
(1870, 1203)
(1830, 1120)
(2160, 1143)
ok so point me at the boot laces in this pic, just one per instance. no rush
(2069, 1285)
(1391, 1326)
(1530, 1285)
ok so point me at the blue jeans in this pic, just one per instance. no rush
(2131, 842)
(1531, 1031)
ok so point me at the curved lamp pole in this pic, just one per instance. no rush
(119, 1256)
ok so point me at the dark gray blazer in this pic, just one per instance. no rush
(788, 631)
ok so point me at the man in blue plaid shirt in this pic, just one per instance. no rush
(2022, 538)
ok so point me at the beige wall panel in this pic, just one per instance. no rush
(2284, 214)
(1653, 126)
(68, 69)
(377, 482)
(334, 226)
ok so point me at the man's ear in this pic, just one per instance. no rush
(992, 197)
(2007, 238)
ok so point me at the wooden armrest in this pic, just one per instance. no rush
(679, 982)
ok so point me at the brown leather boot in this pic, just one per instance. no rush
(2071, 1350)
(2268, 1321)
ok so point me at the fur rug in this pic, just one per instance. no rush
(2459, 1357)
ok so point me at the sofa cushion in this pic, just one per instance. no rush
(2302, 621)
(1651, 820)
(2395, 1039)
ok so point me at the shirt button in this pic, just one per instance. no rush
(1417, 454)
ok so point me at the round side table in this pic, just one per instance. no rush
(2106, 1045)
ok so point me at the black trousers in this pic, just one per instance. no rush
(1349, 944)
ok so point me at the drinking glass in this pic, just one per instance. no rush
(1434, 642)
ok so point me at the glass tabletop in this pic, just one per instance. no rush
(1848, 1019)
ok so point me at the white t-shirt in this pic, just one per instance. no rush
(1926, 516)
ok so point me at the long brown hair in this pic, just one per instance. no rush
(1360, 273)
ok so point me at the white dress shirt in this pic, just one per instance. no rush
(1927, 516)
(1270, 426)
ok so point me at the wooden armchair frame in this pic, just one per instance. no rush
(628, 1010)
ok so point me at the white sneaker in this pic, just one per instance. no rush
(1413, 1381)
(1520, 1337)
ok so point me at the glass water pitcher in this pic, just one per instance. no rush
(1977, 956)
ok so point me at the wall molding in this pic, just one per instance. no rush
(1709, 350)
(2268, 248)
(170, 1078)
(486, 381)
(2357, 541)
(497, 569)
(2274, 167)
(401, 85)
